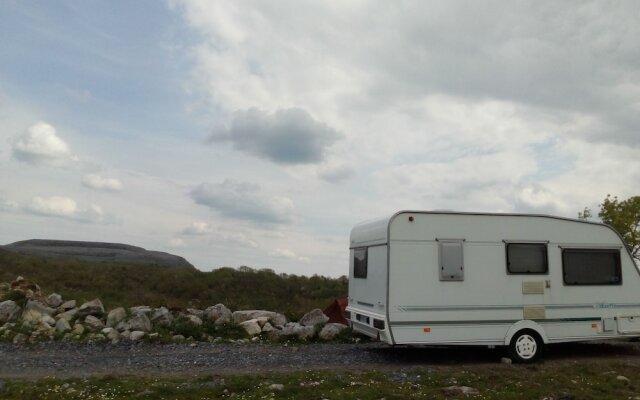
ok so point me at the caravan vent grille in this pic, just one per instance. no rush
(533, 312)
(533, 287)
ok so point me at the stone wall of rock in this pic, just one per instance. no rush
(26, 315)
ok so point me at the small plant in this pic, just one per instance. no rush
(182, 326)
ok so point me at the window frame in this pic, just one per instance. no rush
(527, 243)
(617, 266)
(357, 273)
(448, 277)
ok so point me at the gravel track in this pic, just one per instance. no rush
(64, 360)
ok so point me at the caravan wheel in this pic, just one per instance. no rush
(525, 347)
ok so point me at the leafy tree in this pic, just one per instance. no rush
(623, 216)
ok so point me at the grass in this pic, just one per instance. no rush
(176, 288)
(590, 380)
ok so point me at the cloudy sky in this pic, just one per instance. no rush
(258, 133)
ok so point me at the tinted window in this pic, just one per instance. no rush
(451, 264)
(591, 267)
(360, 262)
(527, 258)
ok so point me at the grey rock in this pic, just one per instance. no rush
(93, 323)
(20, 338)
(67, 305)
(267, 328)
(194, 320)
(506, 360)
(93, 307)
(140, 310)
(34, 310)
(251, 327)
(136, 336)
(78, 329)
(140, 322)
(115, 316)
(276, 387)
(623, 378)
(245, 315)
(48, 320)
(178, 338)
(8, 310)
(62, 326)
(97, 251)
(219, 313)
(330, 331)
(68, 315)
(313, 318)
(161, 316)
(304, 332)
(460, 390)
(54, 300)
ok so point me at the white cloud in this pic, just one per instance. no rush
(65, 207)
(94, 181)
(288, 136)
(288, 254)
(176, 243)
(40, 145)
(241, 200)
(197, 228)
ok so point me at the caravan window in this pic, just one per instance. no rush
(527, 258)
(451, 264)
(360, 262)
(591, 267)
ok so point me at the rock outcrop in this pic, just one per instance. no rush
(97, 251)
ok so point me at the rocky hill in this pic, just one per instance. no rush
(96, 251)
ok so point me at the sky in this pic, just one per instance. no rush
(259, 133)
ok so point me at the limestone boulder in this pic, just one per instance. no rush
(140, 310)
(47, 319)
(251, 327)
(275, 318)
(62, 326)
(313, 318)
(34, 311)
(78, 329)
(67, 305)
(136, 336)
(331, 330)
(93, 307)
(93, 323)
(115, 316)
(194, 319)
(139, 322)
(161, 316)
(68, 315)
(8, 310)
(219, 313)
(54, 300)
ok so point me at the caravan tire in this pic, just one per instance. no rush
(525, 347)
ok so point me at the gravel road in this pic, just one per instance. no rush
(63, 360)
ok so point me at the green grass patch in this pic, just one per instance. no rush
(591, 380)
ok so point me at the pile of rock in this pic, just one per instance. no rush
(39, 318)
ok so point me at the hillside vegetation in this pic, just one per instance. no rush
(131, 285)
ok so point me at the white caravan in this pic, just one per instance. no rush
(449, 278)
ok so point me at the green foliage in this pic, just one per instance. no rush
(624, 217)
(584, 380)
(182, 326)
(585, 214)
(177, 288)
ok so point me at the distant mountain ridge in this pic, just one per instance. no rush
(97, 251)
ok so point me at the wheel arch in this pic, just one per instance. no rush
(525, 324)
